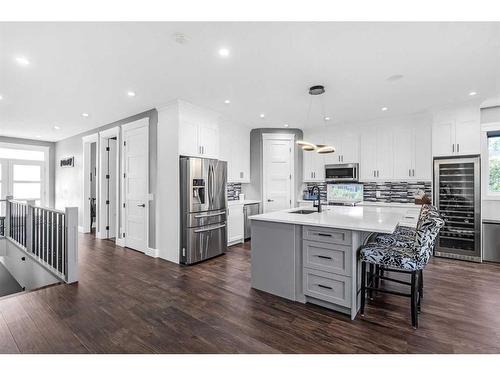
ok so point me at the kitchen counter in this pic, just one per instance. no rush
(315, 257)
(359, 218)
(244, 202)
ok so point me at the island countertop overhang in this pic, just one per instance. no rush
(358, 218)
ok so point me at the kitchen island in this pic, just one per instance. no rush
(312, 257)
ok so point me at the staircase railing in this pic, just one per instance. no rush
(48, 236)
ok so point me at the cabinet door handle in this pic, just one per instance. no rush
(409, 172)
(458, 147)
(453, 148)
(342, 158)
(323, 257)
(324, 234)
(414, 173)
(325, 286)
(270, 200)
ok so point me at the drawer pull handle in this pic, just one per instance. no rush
(325, 286)
(324, 257)
(324, 234)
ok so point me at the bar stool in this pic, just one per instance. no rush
(401, 255)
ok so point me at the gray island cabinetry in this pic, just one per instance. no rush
(313, 257)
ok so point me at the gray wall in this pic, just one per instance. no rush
(253, 190)
(51, 146)
(69, 181)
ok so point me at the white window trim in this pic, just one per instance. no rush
(46, 166)
(486, 194)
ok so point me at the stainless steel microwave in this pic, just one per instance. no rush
(341, 172)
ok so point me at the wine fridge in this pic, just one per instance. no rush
(457, 195)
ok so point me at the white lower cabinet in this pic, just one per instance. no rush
(235, 224)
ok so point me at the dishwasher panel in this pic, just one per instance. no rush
(249, 210)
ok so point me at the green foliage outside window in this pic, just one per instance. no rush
(494, 156)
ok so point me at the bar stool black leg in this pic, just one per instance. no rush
(377, 274)
(370, 280)
(363, 288)
(421, 284)
(414, 291)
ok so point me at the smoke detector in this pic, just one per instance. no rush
(180, 38)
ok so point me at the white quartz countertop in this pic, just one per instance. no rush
(244, 202)
(389, 204)
(359, 218)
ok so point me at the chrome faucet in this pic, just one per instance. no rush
(316, 188)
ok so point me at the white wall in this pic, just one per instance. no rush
(167, 217)
(489, 117)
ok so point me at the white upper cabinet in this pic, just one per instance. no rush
(456, 132)
(235, 149)
(346, 149)
(422, 165)
(404, 152)
(198, 131)
(376, 155)
(313, 163)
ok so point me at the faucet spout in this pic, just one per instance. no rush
(316, 189)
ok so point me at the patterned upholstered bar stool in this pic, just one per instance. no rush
(401, 253)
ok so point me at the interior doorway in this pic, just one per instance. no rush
(92, 176)
(277, 171)
(90, 198)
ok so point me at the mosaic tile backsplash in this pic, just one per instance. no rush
(401, 191)
(233, 191)
(390, 191)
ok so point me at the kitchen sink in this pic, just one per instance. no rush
(303, 212)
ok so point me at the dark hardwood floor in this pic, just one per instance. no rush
(127, 302)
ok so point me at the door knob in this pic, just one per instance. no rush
(141, 205)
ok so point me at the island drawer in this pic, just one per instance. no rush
(327, 287)
(330, 235)
(327, 257)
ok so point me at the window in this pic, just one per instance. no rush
(494, 163)
(22, 172)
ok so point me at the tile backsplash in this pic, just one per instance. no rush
(400, 191)
(389, 191)
(233, 191)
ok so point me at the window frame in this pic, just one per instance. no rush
(485, 161)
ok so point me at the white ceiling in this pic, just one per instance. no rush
(89, 67)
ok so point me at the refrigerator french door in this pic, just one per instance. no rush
(457, 195)
(202, 209)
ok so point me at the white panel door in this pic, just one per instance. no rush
(403, 153)
(188, 139)
(277, 171)
(385, 156)
(443, 138)
(136, 164)
(368, 163)
(467, 137)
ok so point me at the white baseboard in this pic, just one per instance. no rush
(152, 252)
(120, 242)
(81, 229)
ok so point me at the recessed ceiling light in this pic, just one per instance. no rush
(223, 52)
(327, 118)
(1, 97)
(131, 93)
(285, 125)
(21, 60)
(57, 127)
(227, 101)
(85, 114)
(262, 115)
(472, 93)
(395, 77)
(384, 108)
(38, 136)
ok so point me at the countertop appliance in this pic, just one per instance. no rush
(457, 195)
(249, 210)
(202, 209)
(344, 194)
(342, 172)
(491, 240)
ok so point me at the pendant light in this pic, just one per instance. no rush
(308, 146)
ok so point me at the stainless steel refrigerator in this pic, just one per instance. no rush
(203, 209)
(457, 195)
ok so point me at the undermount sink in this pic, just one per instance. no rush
(303, 212)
